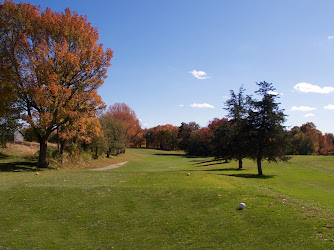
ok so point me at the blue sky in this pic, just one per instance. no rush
(175, 61)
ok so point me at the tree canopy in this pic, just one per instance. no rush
(268, 137)
(54, 64)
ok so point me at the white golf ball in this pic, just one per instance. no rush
(241, 205)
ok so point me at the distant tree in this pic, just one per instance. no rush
(54, 64)
(238, 109)
(128, 120)
(330, 143)
(221, 141)
(162, 137)
(83, 130)
(215, 123)
(149, 137)
(308, 140)
(200, 142)
(8, 125)
(139, 140)
(301, 144)
(114, 135)
(184, 133)
(268, 134)
(168, 134)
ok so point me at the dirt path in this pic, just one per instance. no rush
(111, 166)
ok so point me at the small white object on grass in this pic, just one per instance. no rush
(241, 206)
(188, 174)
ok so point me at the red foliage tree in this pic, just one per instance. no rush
(127, 117)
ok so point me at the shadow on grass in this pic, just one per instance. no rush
(25, 166)
(181, 155)
(212, 164)
(203, 162)
(224, 169)
(3, 156)
(252, 176)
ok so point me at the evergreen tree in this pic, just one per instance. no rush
(238, 108)
(268, 134)
(221, 141)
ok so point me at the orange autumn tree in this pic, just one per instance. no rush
(84, 129)
(55, 65)
(128, 120)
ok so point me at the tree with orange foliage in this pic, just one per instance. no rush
(54, 64)
(127, 118)
(84, 129)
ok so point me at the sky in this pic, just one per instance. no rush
(177, 60)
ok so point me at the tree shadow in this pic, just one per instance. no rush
(202, 162)
(26, 166)
(225, 169)
(176, 154)
(212, 164)
(3, 156)
(252, 176)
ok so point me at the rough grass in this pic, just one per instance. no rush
(23, 157)
(25, 150)
(152, 203)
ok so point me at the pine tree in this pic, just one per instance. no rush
(268, 135)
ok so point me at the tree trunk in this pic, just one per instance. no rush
(259, 158)
(58, 148)
(240, 163)
(259, 167)
(96, 156)
(62, 146)
(42, 152)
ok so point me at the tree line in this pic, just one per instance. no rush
(51, 66)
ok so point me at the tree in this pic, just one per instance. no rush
(127, 118)
(149, 137)
(53, 63)
(221, 141)
(330, 143)
(8, 125)
(114, 135)
(200, 142)
(168, 137)
(9, 112)
(185, 130)
(301, 144)
(83, 130)
(308, 140)
(268, 135)
(238, 108)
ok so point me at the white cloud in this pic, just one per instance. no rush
(302, 108)
(199, 74)
(329, 107)
(309, 115)
(330, 37)
(181, 105)
(270, 92)
(310, 88)
(202, 105)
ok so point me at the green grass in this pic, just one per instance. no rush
(151, 203)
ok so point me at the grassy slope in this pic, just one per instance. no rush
(152, 203)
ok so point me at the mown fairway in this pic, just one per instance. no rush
(151, 203)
